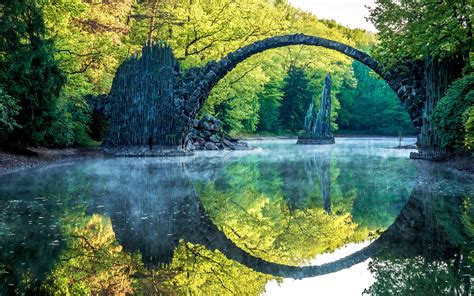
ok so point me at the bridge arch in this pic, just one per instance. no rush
(213, 72)
(151, 101)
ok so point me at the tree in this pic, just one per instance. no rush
(28, 72)
(90, 38)
(371, 106)
(469, 127)
(270, 102)
(296, 99)
(422, 28)
(8, 110)
(448, 116)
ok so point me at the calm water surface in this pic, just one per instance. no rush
(348, 219)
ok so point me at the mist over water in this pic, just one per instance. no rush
(236, 222)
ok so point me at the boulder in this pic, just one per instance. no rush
(211, 146)
(207, 134)
(214, 138)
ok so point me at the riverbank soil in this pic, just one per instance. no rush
(32, 157)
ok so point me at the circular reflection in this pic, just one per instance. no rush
(231, 223)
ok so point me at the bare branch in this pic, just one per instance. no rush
(245, 74)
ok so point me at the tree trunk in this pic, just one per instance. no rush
(152, 20)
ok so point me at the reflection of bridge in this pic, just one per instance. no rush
(169, 210)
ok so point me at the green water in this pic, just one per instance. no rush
(347, 219)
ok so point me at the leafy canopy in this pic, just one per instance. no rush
(422, 28)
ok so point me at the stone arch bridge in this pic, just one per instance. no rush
(153, 104)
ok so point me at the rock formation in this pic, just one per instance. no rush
(142, 107)
(317, 127)
(153, 104)
(207, 134)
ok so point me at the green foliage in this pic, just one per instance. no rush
(296, 99)
(28, 71)
(8, 110)
(94, 263)
(414, 276)
(371, 106)
(70, 125)
(270, 102)
(90, 41)
(87, 49)
(448, 115)
(422, 28)
(469, 128)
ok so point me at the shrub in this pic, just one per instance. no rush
(8, 110)
(469, 129)
(448, 116)
(69, 125)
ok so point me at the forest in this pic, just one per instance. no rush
(100, 225)
(55, 53)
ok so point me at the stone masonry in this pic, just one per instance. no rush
(152, 104)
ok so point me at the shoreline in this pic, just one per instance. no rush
(11, 162)
(253, 138)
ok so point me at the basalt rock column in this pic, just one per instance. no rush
(317, 128)
(137, 121)
(141, 104)
(438, 75)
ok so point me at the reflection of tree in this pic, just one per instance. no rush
(195, 270)
(154, 211)
(431, 249)
(307, 183)
(281, 212)
(267, 228)
(415, 276)
(381, 190)
(93, 263)
(30, 234)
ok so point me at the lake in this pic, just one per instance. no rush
(352, 218)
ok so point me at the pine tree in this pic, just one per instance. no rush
(296, 98)
(371, 107)
(270, 102)
(28, 72)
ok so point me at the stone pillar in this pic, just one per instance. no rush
(141, 105)
(317, 127)
(438, 75)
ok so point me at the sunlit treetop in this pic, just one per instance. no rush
(422, 28)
